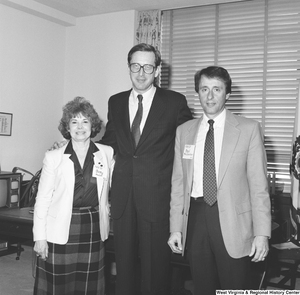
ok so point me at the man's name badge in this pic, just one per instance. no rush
(98, 170)
(188, 152)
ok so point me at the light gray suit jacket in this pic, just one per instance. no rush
(54, 201)
(243, 198)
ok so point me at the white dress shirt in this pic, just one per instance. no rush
(197, 190)
(147, 102)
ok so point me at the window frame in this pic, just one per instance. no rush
(258, 42)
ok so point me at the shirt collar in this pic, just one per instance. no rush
(219, 120)
(147, 96)
(69, 148)
(92, 148)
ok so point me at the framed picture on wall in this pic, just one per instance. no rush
(5, 124)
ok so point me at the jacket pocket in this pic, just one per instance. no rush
(244, 220)
(52, 212)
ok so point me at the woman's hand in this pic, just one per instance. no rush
(175, 242)
(41, 249)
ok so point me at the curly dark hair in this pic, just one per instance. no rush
(79, 105)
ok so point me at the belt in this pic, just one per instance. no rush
(85, 208)
(198, 199)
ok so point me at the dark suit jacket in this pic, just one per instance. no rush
(144, 171)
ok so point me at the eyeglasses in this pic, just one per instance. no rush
(135, 68)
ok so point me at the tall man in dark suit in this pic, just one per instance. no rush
(224, 219)
(141, 181)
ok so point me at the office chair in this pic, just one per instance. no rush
(284, 258)
(29, 188)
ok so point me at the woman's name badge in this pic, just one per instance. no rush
(188, 152)
(98, 170)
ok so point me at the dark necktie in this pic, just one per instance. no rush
(209, 169)
(135, 127)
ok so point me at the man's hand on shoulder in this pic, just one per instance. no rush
(58, 144)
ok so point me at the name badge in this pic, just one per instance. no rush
(98, 170)
(188, 152)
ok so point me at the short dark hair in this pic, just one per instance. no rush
(79, 105)
(213, 72)
(147, 48)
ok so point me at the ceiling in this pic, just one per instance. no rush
(81, 8)
(65, 12)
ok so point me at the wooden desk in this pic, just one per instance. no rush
(15, 227)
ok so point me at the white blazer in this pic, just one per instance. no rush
(54, 201)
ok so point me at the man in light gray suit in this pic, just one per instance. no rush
(220, 236)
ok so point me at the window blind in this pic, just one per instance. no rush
(258, 42)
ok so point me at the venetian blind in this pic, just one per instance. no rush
(258, 42)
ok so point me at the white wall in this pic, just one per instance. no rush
(96, 60)
(43, 65)
(32, 52)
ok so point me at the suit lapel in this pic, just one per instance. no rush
(190, 139)
(99, 160)
(68, 173)
(157, 109)
(230, 139)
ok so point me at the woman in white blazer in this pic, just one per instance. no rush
(71, 213)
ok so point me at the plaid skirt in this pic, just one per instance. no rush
(76, 268)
